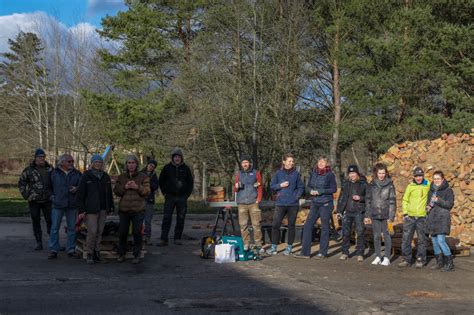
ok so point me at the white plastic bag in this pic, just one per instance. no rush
(225, 253)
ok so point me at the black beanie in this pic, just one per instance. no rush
(245, 157)
(352, 168)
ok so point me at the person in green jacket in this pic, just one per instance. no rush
(414, 218)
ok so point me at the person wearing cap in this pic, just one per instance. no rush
(351, 208)
(321, 187)
(381, 205)
(94, 197)
(132, 187)
(64, 183)
(35, 187)
(176, 183)
(414, 218)
(149, 171)
(248, 189)
(289, 187)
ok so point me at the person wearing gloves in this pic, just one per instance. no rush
(149, 170)
(35, 187)
(438, 223)
(351, 208)
(381, 205)
(176, 183)
(132, 187)
(289, 187)
(248, 188)
(94, 197)
(414, 219)
(321, 187)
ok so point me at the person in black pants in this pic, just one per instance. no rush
(287, 183)
(351, 208)
(35, 187)
(176, 183)
(321, 186)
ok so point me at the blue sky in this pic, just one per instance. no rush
(68, 12)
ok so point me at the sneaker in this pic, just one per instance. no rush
(376, 261)
(136, 260)
(272, 251)
(360, 258)
(162, 243)
(320, 256)
(300, 255)
(89, 260)
(52, 255)
(403, 264)
(121, 259)
(260, 250)
(343, 257)
(419, 263)
(287, 251)
(178, 242)
(385, 262)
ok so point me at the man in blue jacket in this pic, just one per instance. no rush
(64, 183)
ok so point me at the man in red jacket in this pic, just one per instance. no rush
(248, 189)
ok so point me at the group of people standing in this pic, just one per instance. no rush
(426, 210)
(64, 191)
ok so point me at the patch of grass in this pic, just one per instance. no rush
(11, 203)
(194, 206)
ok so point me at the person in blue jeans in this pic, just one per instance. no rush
(289, 187)
(438, 223)
(64, 183)
(321, 186)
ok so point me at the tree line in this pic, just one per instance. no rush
(223, 78)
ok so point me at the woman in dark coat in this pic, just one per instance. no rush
(438, 224)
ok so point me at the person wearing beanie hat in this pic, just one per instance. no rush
(414, 218)
(351, 209)
(132, 187)
(245, 157)
(94, 198)
(176, 183)
(35, 187)
(248, 190)
(149, 171)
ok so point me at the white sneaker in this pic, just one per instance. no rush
(385, 262)
(377, 261)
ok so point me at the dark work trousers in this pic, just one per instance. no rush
(35, 211)
(181, 204)
(137, 220)
(278, 215)
(357, 219)
(317, 211)
(410, 225)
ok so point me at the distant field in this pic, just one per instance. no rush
(13, 205)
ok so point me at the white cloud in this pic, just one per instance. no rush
(94, 6)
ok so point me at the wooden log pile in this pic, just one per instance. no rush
(452, 154)
(215, 194)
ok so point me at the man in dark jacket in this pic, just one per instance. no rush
(176, 183)
(351, 207)
(94, 197)
(150, 199)
(64, 183)
(35, 186)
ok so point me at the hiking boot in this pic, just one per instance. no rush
(272, 250)
(439, 262)
(52, 255)
(376, 261)
(385, 261)
(448, 264)
(178, 242)
(90, 259)
(287, 251)
(121, 259)
(96, 256)
(320, 256)
(136, 260)
(403, 264)
(343, 257)
(39, 246)
(360, 258)
(162, 243)
(419, 263)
